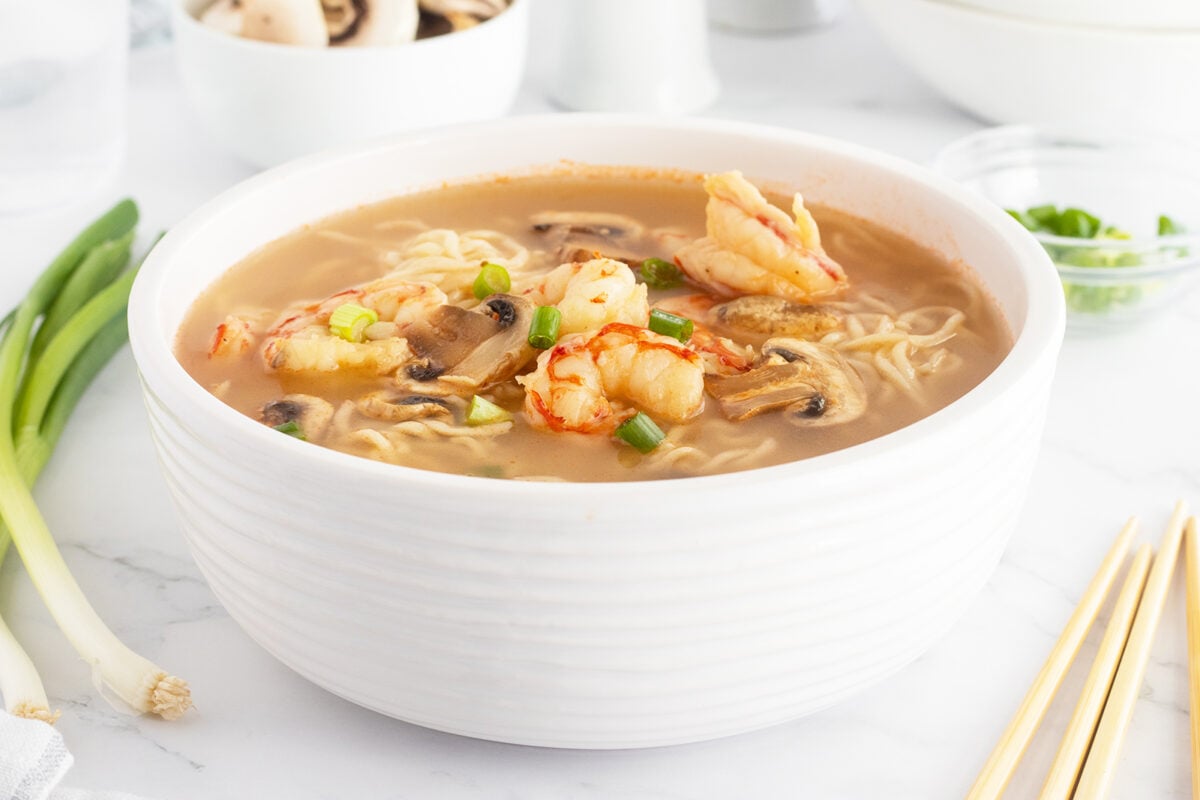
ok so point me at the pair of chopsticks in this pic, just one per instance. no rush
(1086, 761)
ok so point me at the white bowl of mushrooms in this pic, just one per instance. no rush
(276, 79)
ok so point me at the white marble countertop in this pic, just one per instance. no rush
(1122, 438)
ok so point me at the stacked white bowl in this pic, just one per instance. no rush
(1083, 66)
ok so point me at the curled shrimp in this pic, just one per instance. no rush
(752, 247)
(721, 356)
(232, 337)
(584, 382)
(302, 342)
(591, 294)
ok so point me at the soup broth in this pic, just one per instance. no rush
(910, 331)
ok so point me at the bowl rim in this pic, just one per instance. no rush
(181, 16)
(1025, 138)
(1036, 344)
(1119, 33)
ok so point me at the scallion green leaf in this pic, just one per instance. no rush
(1077, 223)
(492, 279)
(1045, 216)
(1168, 226)
(293, 429)
(1023, 217)
(668, 324)
(350, 320)
(640, 432)
(481, 411)
(660, 274)
(543, 331)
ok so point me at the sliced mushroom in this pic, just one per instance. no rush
(564, 226)
(395, 406)
(370, 22)
(281, 21)
(461, 352)
(448, 335)
(812, 383)
(479, 9)
(312, 414)
(775, 316)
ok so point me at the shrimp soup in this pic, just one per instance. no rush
(599, 325)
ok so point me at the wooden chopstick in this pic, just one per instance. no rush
(1060, 782)
(998, 770)
(1098, 770)
(1192, 561)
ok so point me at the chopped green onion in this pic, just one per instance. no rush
(293, 429)
(671, 325)
(492, 279)
(640, 432)
(1077, 223)
(543, 331)
(1045, 216)
(659, 274)
(350, 321)
(1168, 226)
(1025, 219)
(482, 411)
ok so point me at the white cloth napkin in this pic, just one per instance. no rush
(33, 759)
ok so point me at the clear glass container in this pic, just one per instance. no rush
(62, 98)
(1118, 278)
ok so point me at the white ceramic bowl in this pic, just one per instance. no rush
(1145, 14)
(600, 615)
(1070, 78)
(268, 103)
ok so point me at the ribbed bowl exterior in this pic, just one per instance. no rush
(602, 615)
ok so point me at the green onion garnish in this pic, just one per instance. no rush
(659, 274)
(671, 325)
(482, 411)
(543, 331)
(640, 432)
(350, 320)
(1077, 223)
(1168, 226)
(293, 429)
(492, 279)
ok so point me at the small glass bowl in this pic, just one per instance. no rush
(1128, 183)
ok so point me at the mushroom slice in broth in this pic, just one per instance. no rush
(775, 316)
(812, 383)
(464, 351)
(394, 406)
(311, 414)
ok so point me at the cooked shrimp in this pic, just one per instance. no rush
(752, 247)
(231, 338)
(302, 341)
(592, 294)
(584, 382)
(721, 356)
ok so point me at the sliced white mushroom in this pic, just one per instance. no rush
(812, 383)
(370, 22)
(394, 406)
(300, 22)
(480, 9)
(311, 414)
(461, 352)
(776, 316)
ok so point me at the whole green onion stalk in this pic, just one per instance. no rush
(80, 300)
